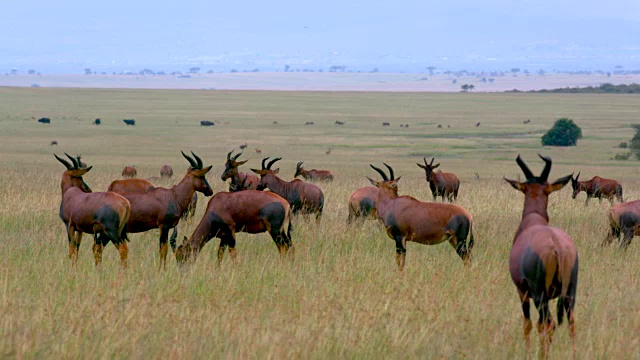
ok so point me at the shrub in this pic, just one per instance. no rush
(623, 145)
(563, 133)
(623, 156)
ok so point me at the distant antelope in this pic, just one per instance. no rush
(408, 219)
(161, 208)
(103, 214)
(54, 142)
(544, 260)
(129, 172)
(258, 151)
(166, 171)
(597, 187)
(313, 174)
(303, 197)
(441, 183)
(248, 211)
(249, 181)
(328, 152)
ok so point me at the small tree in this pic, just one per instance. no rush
(563, 133)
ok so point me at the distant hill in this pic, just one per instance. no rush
(602, 89)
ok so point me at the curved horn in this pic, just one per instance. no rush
(237, 156)
(390, 172)
(299, 165)
(525, 169)
(544, 176)
(198, 160)
(263, 161)
(272, 162)
(194, 165)
(384, 176)
(432, 159)
(425, 161)
(64, 162)
(229, 154)
(76, 165)
(577, 176)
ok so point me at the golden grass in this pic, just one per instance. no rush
(342, 296)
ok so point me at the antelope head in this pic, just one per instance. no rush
(267, 175)
(72, 177)
(197, 172)
(428, 168)
(575, 184)
(299, 169)
(389, 184)
(231, 166)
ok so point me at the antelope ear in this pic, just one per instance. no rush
(559, 184)
(516, 184)
(436, 165)
(421, 166)
(276, 171)
(240, 163)
(80, 172)
(394, 183)
(373, 182)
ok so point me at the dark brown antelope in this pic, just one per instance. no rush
(103, 214)
(166, 171)
(544, 260)
(408, 219)
(161, 208)
(362, 204)
(624, 220)
(441, 183)
(129, 172)
(303, 197)
(313, 174)
(597, 187)
(250, 181)
(249, 211)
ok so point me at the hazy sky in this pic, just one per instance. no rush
(69, 35)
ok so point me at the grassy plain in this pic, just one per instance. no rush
(342, 296)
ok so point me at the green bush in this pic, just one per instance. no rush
(563, 133)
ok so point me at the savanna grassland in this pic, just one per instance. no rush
(342, 296)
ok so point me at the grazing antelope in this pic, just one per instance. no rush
(408, 219)
(249, 211)
(362, 204)
(441, 183)
(250, 181)
(129, 172)
(161, 208)
(328, 152)
(313, 174)
(303, 197)
(544, 260)
(166, 171)
(103, 214)
(258, 151)
(624, 220)
(597, 187)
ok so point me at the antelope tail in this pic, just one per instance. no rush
(172, 239)
(565, 274)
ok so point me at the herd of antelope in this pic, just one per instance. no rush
(543, 262)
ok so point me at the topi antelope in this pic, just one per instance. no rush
(303, 197)
(313, 174)
(166, 171)
(441, 183)
(103, 214)
(161, 208)
(597, 187)
(129, 172)
(362, 204)
(249, 211)
(544, 260)
(250, 181)
(624, 220)
(408, 219)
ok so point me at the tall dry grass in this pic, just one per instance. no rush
(342, 295)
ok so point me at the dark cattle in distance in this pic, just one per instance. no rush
(243, 146)
(275, 123)
(526, 121)
(439, 126)
(129, 122)
(97, 122)
(206, 123)
(478, 124)
(339, 122)
(44, 121)
(54, 142)
(309, 123)
(385, 124)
